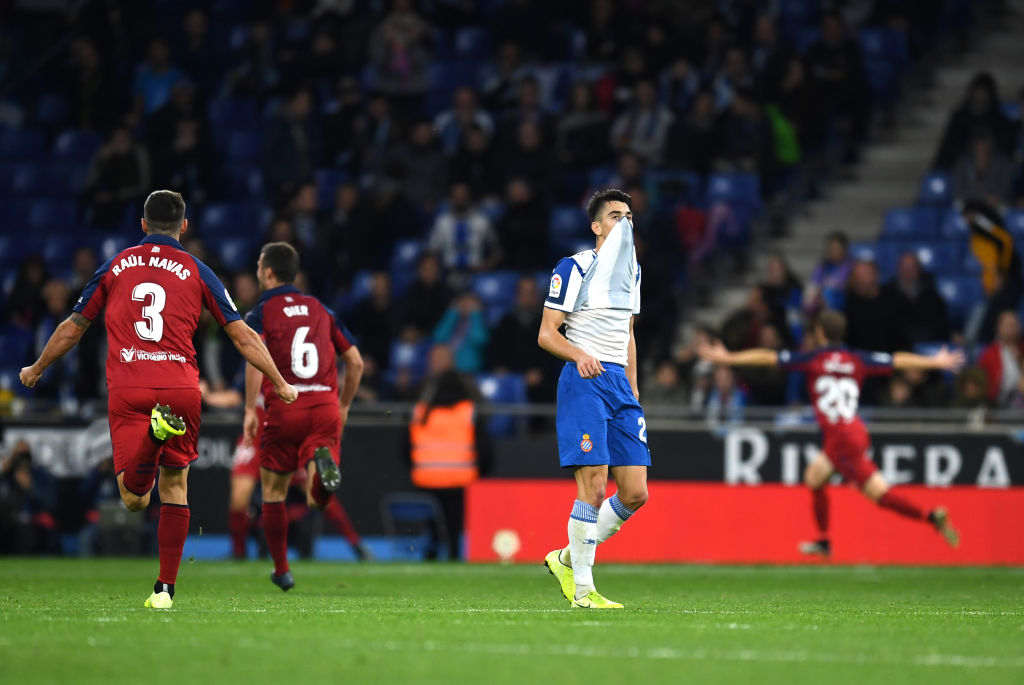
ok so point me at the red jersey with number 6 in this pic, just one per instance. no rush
(835, 376)
(154, 293)
(304, 338)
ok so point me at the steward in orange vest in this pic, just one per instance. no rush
(443, 445)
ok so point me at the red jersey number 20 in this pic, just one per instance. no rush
(838, 397)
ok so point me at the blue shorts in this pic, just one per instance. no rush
(599, 421)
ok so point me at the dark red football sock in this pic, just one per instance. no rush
(901, 505)
(320, 495)
(171, 532)
(275, 526)
(819, 500)
(336, 514)
(238, 524)
(139, 479)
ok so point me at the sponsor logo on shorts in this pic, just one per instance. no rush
(586, 444)
(556, 286)
(134, 355)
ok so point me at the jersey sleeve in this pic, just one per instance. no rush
(564, 289)
(636, 292)
(875, 363)
(340, 335)
(795, 361)
(216, 297)
(94, 294)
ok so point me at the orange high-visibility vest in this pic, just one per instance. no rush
(443, 448)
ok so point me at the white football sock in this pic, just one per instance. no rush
(583, 545)
(610, 517)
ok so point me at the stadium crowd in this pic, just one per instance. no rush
(430, 161)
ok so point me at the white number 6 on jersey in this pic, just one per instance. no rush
(153, 326)
(305, 360)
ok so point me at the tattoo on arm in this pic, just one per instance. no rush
(79, 320)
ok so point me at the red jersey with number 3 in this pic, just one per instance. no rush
(304, 338)
(835, 376)
(153, 294)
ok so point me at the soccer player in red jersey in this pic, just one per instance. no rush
(305, 338)
(834, 379)
(154, 293)
(245, 473)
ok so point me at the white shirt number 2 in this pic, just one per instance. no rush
(837, 398)
(153, 326)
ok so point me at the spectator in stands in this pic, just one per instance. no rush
(375, 322)
(726, 399)
(58, 382)
(254, 72)
(183, 105)
(836, 68)
(156, 77)
(983, 172)
(917, 389)
(678, 86)
(514, 348)
(245, 291)
(972, 389)
(734, 75)
(770, 57)
(742, 328)
(530, 157)
(499, 86)
(643, 128)
(1001, 272)
(633, 69)
(422, 167)
(290, 144)
(766, 386)
(340, 122)
(523, 228)
(746, 139)
(464, 329)
(828, 281)
(582, 130)
(1003, 362)
(696, 372)
(873, 321)
(463, 236)
(428, 297)
(346, 237)
(528, 107)
(476, 164)
(25, 304)
(920, 309)
(301, 211)
(400, 51)
(783, 290)
(119, 177)
(28, 499)
(979, 113)
(691, 143)
(376, 134)
(93, 97)
(664, 386)
(84, 263)
(201, 55)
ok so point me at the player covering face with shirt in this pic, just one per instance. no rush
(601, 426)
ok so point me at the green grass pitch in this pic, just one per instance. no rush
(69, 621)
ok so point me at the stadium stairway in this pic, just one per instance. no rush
(894, 162)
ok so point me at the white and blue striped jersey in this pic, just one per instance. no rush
(599, 293)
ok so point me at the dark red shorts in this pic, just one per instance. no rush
(129, 411)
(290, 436)
(849, 456)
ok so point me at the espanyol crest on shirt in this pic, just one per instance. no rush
(556, 286)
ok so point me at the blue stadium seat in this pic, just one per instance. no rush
(567, 228)
(506, 388)
(936, 190)
(738, 189)
(961, 293)
(937, 257)
(241, 182)
(109, 244)
(242, 145)
(410, 356)
(233, 218)
(885, 256)
(58, 248)
(52, 109)
(21, 145)
(471, 42)
(15, 345)
(15, 247)
(236, 253)
(911, 223)
(677, 187)
(497, 291)
(76, 146)
(233, 114)
(1012, 110)
(28, 180)
(48, 216)
(359, 290)
(1014, 221)
(404, 257)
(805, 37)
(327, 182)
(953, 225)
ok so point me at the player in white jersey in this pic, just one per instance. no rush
(600, 423)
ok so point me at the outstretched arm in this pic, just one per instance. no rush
(67, 335)
(943, 360)
(717, 354)
(553, 342)
(256, 353)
